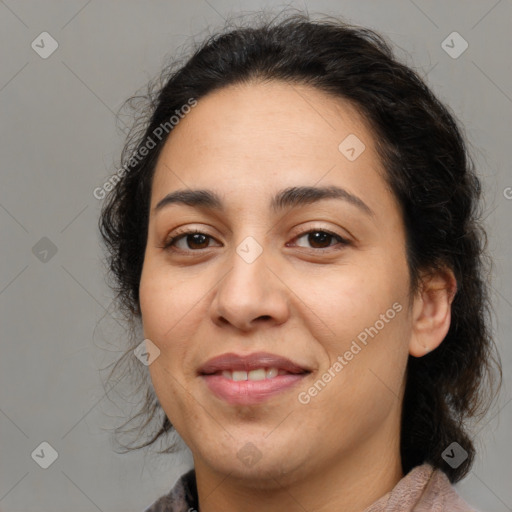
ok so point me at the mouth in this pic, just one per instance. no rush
(254, 375)
(251, 379)
(251, 392)
(254, 364)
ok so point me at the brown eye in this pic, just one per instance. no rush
(194, 240)
(321, 239)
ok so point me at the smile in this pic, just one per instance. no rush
(251, 388)
(257, 374)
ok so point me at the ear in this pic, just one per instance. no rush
(432, 311)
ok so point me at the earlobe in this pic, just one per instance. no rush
(432, 312)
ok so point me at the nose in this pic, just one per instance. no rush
(250, 293)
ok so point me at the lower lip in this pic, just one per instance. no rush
(249, 392)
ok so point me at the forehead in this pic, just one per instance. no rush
(283, 115)
(265, 136)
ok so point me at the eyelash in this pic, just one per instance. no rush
(170, 241)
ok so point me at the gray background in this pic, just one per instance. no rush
(59, 141)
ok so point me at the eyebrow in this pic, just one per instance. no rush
(287, 198)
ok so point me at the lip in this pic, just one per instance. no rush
(248, 362)
(247, 392)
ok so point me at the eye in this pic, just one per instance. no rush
(196, 240)
(192, 238)
(321, 237)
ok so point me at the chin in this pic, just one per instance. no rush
(258, 461)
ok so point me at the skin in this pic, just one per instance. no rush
(301, 298)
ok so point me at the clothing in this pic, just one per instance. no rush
(422, 489)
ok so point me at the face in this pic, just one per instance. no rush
(323, 283)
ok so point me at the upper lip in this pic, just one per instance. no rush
(233, 362)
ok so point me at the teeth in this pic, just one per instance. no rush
(271, 372)
(258, 374)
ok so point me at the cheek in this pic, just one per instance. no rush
(359, 313)
(165, 300)
(168, 321)
(361, 385)
(172, 307)
(348, 298)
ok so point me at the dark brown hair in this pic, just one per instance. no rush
(428, 169)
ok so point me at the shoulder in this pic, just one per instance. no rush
(442, 492)
(423, 488)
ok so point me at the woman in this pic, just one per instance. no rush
(298, 233)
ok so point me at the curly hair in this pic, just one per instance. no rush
(428, 169)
